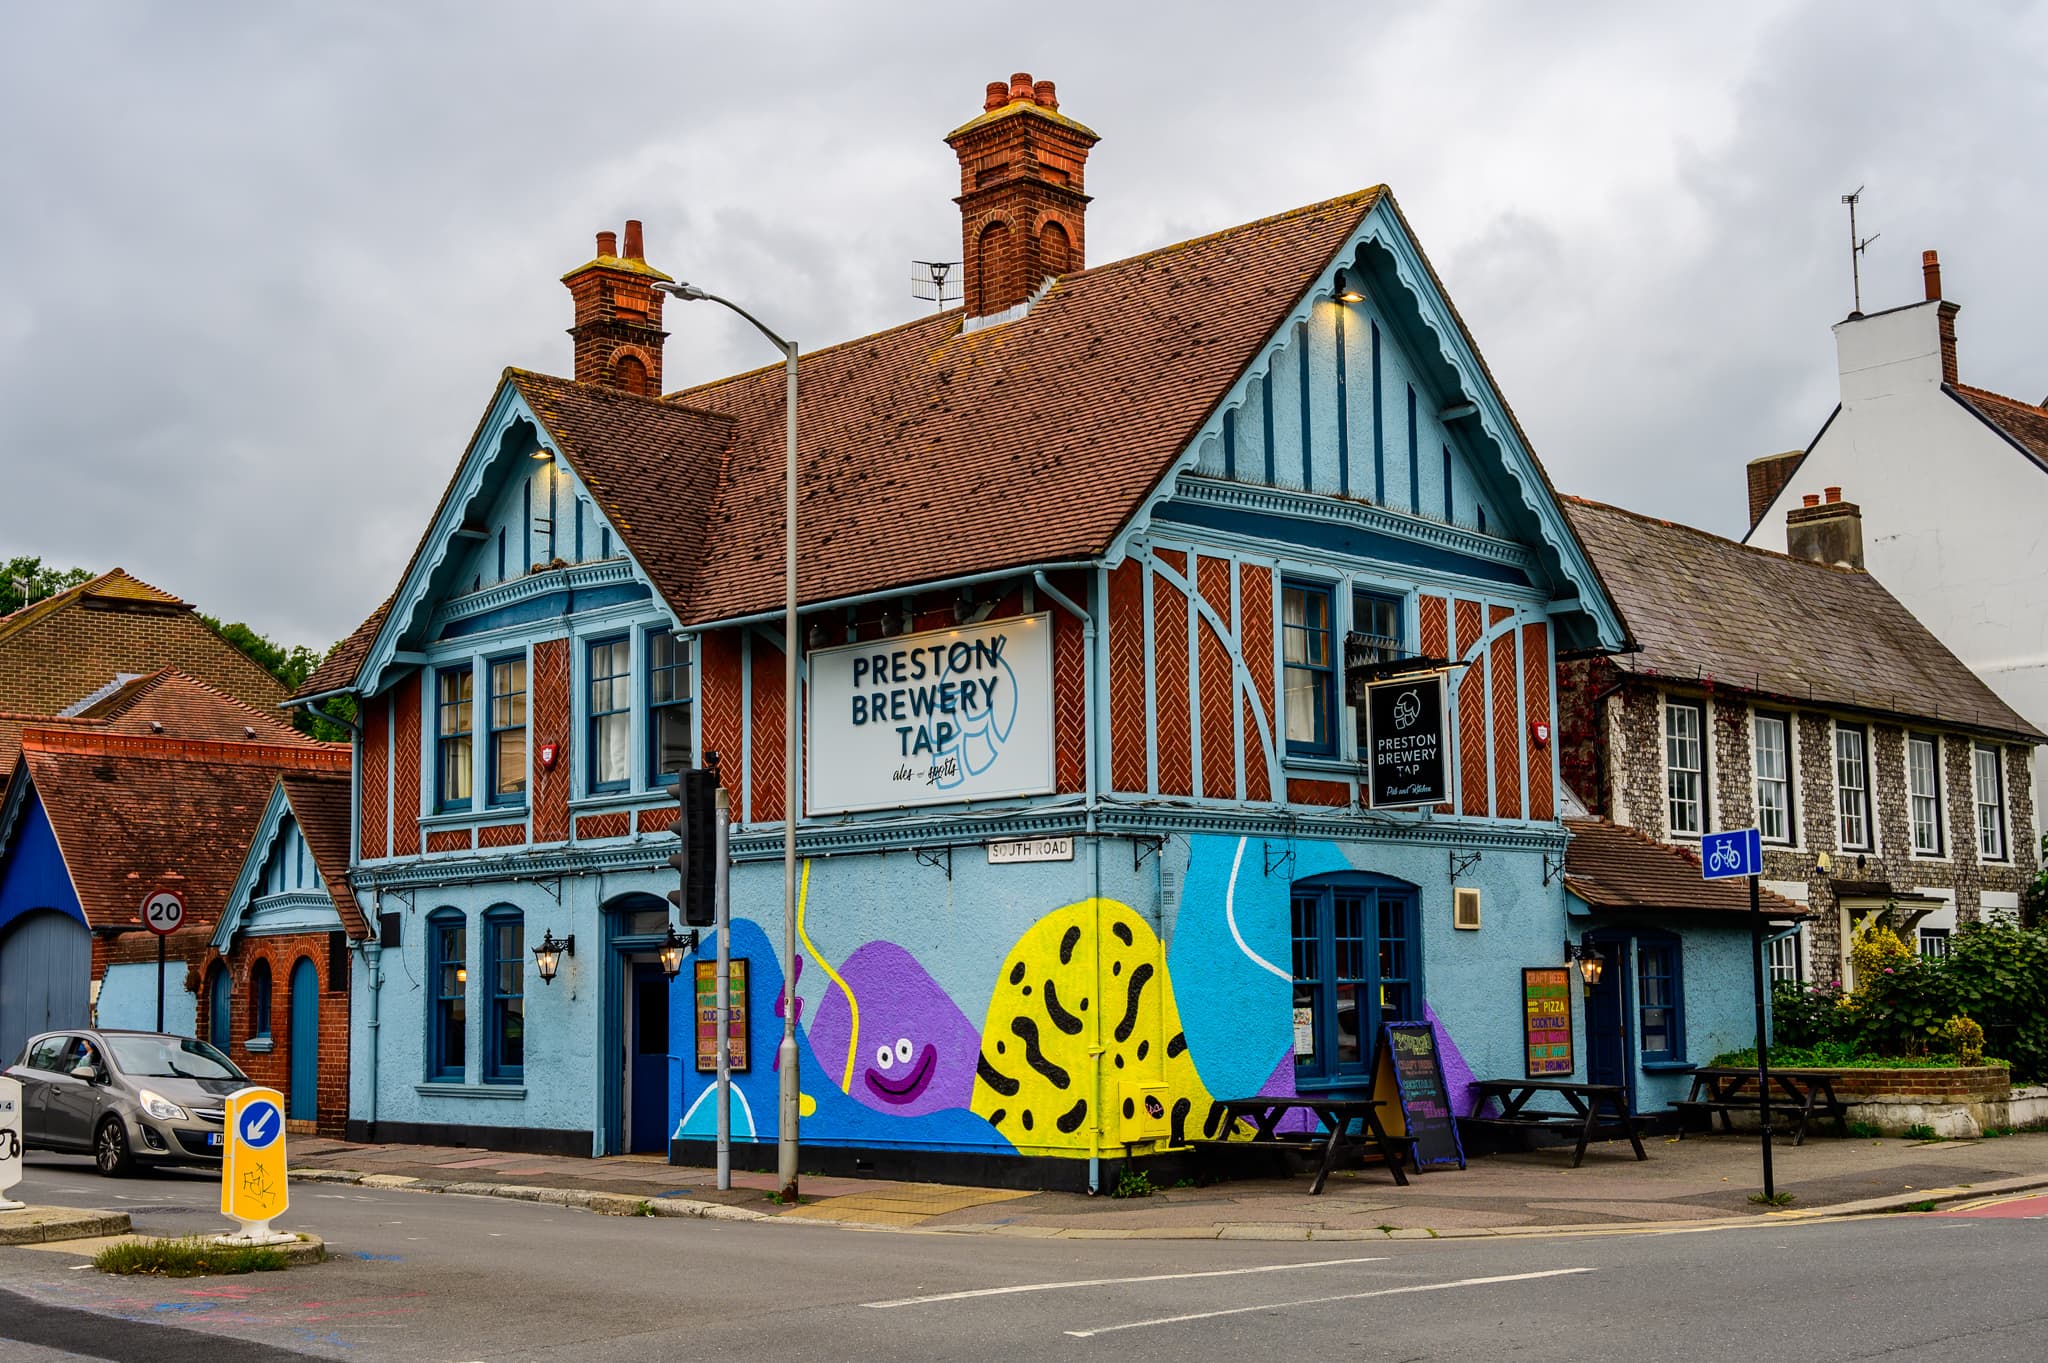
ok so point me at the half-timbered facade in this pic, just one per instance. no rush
(1091, 573)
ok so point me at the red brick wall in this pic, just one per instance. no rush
(1434, 613)
(1582, 743)
(274, 1068)
(616, 824)
(1536, 701)
(1471, 714)
(1255, 595)
(718, 706)
(447, 839)
(768, 735)
(1218, 683)
(1127, 729)
(1170, 679)
(501, 835)
(1318, 793)
(405, 768)
(80, 647)
(549, 710)
(1504, 677)
(1070, 687)
(376, 766)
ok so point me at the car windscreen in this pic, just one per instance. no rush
(168, 1057)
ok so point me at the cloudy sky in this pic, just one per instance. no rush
(263, 262)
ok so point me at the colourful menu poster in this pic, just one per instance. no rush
(1547, 1021)
(707, 1017)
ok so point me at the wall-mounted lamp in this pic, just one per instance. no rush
(816, 636)
(543, 454)
(673, 948)
(1591, 962)
(1347, 292)
(548, 955)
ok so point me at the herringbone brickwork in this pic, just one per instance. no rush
(446, 839)
(1536, 700)
(615, 824)
(1471, 697)
(405, 768)
(549, 710)
(1170, 679)
(718, 706)
(1504, 675)
(1218, 684)
(1433, 613)
(1255, 644)
(1070, 690)
(1128, 733)
(768, 760)
(1318, 793)
(501, 835)
(376, 717)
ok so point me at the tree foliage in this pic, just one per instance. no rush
(290, 665)
(26, 578)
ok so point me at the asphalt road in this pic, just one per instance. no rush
(432, 1277)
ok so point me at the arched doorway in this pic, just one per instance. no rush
(636, 1026)
(303, 1102)
(45, 977)
(220, 1007)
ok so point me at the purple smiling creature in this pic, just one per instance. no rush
(914, 1052)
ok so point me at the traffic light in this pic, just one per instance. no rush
(696, 790)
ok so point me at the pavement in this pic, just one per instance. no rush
(1702, 1180)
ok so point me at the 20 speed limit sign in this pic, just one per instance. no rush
(162, 912)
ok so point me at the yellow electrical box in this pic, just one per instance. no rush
(1142, 1114)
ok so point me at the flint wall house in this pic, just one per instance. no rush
(1092, 557)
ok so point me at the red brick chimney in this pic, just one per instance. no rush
(1930, 272)
(618, 331)
(1021, 200)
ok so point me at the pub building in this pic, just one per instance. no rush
(1178, 641)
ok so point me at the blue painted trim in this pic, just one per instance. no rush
(1450, 507)
(1266, 417)
(268, 829)
(1343, 415)
(552, 606)
(1345, 539)
(1193, 645)
(490, 729)
(578, 504)
(1666, 946)
(1230, 444)
(1308, 467)
(33, 873)
(526, 523)
(1379, 437)
(442, 804)
(1414, 458)
(436, 921)
(1150, 567)
(496, 1069)
(591, 784)
(1324, 744)
(501, 553)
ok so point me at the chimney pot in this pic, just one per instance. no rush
(1020, 85)
(617, 332)
(998, 96)
(1810, 499)
(608, 244)
(1834, 495)
(634, 249)
(1930, 271)
(1043, 93)
(1022, 197)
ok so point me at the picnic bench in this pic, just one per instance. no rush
(1594, 1110)
(1800, 1095)
(1336, 1117)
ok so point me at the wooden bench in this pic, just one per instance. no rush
(1797, 1095)
(1336, 1115)
(1596, 1110)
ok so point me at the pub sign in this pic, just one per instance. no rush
(1406, 761)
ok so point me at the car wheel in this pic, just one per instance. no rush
(110, 1149)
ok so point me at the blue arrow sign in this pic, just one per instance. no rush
(260, 1124)
(1737, 852)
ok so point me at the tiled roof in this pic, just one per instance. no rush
(114, 585)
(1611, 867)
(927, 453)
(184, 706)
(320, 804)
(651, 465)
(2023, 423)
(131, 813)
(1706, 609)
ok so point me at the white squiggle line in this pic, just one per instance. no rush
(1230, 916)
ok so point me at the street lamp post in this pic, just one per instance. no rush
(786, 1133)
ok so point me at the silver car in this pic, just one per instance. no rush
(126, 1098)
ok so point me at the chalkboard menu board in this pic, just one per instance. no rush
(1409, 1056)
(707, 1017)
(1547, 1022)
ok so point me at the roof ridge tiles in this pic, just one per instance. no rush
(1722, 540)
(98, 743)
(1971, 390)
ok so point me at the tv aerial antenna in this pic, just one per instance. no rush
(932, 281)
(1857, 246)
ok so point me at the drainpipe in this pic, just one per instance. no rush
(373, 953)
(1095, 1047)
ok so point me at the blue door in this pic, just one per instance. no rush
(45, 972)
(304, 1099)
(1607, 1035)
(647, 1061)
(220, 1007)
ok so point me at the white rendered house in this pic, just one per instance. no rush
(1941, 488)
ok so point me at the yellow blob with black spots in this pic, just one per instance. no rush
(1062, 990)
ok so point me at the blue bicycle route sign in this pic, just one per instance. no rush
(1737, 852)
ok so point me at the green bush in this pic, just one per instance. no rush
(1134, 1183)
(1996, 973)
(1808, 1015)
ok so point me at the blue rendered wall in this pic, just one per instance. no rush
(128, 998)
(35, 875)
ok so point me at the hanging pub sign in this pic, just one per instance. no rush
(1405, 750)
(941, 717)
(1547, 1022)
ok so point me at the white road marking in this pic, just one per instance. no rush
(1114, 1282)
(1319, 1301)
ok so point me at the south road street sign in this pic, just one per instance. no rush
(1737, 852)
